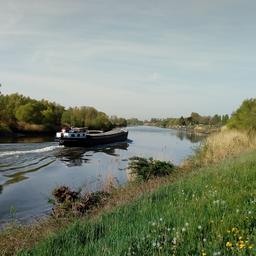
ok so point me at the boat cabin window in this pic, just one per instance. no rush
(83, 134)
(72, 135)
(78, 135)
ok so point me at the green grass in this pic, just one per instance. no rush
(212, 211)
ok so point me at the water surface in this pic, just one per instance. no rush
(30, 168)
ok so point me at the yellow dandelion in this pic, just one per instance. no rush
(203, 253)
(229, 244)
(234, 230)
(241, 244)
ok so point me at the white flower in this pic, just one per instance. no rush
(183, 229)
(216, 202)
(204, 239)
(174, 240)
(154, 244)
(199, 227)
(186, 224)
(161, 219)
(249, 212)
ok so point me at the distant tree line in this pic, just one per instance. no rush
(192, 120)
(134, 122)
(18, 113)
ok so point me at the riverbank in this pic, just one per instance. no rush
(24, 129)
(161, 216)
(196, 129)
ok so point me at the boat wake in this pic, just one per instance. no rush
(22, 152)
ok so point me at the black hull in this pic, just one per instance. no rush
(94, 140)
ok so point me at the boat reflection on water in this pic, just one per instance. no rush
(77, 156)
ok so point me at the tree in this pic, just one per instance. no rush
(224, 119)
(195, 118)
(215, 120)
(30, 113)
(244, 118)
(182, 121)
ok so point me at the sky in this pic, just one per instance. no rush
(136, 58)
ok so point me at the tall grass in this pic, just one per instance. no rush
(208, 212)
(218, 146)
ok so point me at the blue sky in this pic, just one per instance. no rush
(137, 58)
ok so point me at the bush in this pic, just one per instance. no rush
(145, 169)
(4, 129)
(244, 117)
(72, 203)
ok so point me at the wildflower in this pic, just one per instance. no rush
(186, 224)
(249, 212)
(183, 229)
(203, 253)
(229, 244)
(161, 219)
(174, 240)
(216, 202)
(204, 240)
(250, 246)
(153, 224)
(199, 227)
(241, 244)
(154, 244)
(234, 230)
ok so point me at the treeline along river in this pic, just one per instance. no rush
(30, 168)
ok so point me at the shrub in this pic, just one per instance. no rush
(145, 169)
(72, 203)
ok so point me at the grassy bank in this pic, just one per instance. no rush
(210, 211)
(207, 207)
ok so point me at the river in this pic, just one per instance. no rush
(30, 168)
